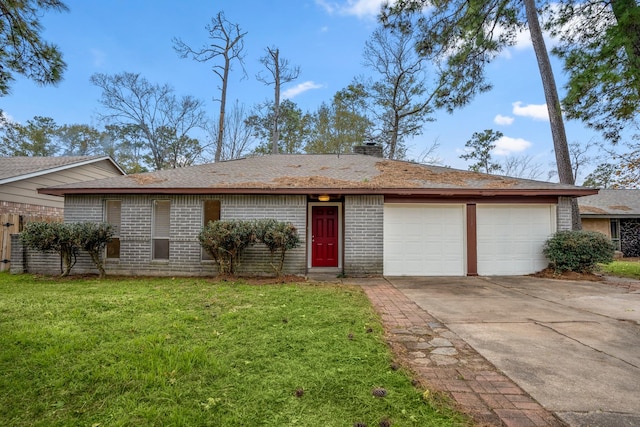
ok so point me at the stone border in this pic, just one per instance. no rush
(444, 362)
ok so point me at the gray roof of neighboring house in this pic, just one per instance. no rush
(611, 203)
(306, 173)
(22, 167)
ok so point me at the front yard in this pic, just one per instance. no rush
(195, 352)
(624, 268)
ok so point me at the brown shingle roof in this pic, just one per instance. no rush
(351, 173)
(611, 203)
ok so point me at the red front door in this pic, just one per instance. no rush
(324, 238)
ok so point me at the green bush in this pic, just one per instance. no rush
(52, 237)
(226, 240)
(67, 240)
(578, 251)
(93, 237)
(279, 237)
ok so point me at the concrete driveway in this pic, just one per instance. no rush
(573, 346)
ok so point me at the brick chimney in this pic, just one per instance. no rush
(368, 149)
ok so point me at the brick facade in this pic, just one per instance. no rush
(27, 209)
(363, 235)
(185, 254)
(563, 214)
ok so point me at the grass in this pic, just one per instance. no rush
(623, 269)
(194, 352)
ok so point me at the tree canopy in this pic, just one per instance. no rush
(154, 117)
(23, 51)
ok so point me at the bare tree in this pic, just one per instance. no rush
(226, 42)
(400, 92)
(429, 155)
(151, 111)
(238, 136)
(580, 157)
(279, 72)
(521, 167)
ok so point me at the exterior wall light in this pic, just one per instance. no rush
(324, 198)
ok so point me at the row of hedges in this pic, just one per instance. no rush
(226, 240)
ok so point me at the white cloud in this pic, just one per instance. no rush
(301, 88)
(503, 120)
(358, 8)
(506, 146)
(534, 111)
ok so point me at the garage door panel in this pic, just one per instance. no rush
(423, 240)
(510, 238)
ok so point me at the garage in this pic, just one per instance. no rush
(510, 238)
(424, 239)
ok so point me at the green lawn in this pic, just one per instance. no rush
(623, 269)
(194, 352)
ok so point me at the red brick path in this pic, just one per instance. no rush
(443, 362)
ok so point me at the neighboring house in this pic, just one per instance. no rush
(20, 179)
(616, 214)
(356, 215)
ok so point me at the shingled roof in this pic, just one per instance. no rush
(609, 203)
(22, 167)
(310, 173)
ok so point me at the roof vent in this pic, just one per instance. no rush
(368, 149)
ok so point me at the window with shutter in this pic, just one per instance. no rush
(210, 212)
(113, 209)
(161, 226)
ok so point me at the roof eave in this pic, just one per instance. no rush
(60, 168)
(573, 192)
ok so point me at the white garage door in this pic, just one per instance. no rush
(511, 238)
(424, 240)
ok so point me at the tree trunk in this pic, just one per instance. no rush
(561, 148)
(223, 103)
(276, 103)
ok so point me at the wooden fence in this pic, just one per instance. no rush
(11, 224)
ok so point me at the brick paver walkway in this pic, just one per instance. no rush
(444, 362)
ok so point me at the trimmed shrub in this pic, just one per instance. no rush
(56, 237)
(279, 237)
(578, 251)
(93, 237)
(226, 240)
(67, 240)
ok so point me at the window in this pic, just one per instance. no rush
(210, 212)
(160, 226)
(112, 215)
(615, 233)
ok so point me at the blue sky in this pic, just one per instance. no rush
(324, 37)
